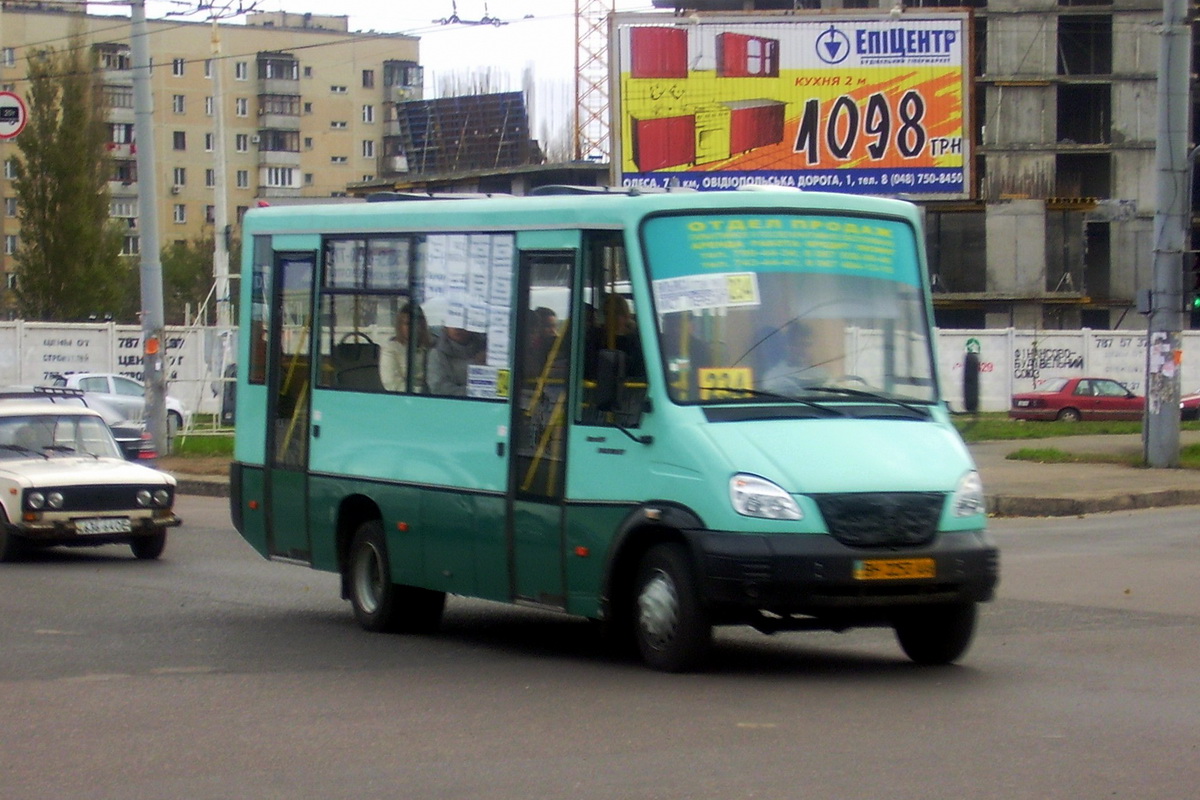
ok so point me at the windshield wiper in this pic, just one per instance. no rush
(61, 448)
(787, 398)
(16, 448)
(883, 398)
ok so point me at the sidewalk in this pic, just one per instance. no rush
(1013, 488)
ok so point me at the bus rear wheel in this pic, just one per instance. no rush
(380, 605)
(672, 628)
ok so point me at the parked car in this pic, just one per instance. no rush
(1189, 407)
(63, 481)
(1074, 399)
(135, 441)
(125, 394)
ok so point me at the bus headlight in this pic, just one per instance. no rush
(968, 497)
(753, 496)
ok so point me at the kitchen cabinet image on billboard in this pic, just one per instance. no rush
(866, 104)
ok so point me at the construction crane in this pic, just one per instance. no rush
(592, 142)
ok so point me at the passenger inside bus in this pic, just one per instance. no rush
(785, 355)
(455, 351)
(393, 360)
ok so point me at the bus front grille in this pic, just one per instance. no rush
(882, 519)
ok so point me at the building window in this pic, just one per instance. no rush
(241, 142)
(308, 143)
(243, 179)
(368, 76)
(177, 67)
(179, 140)
(208, 68)
(180, 176)
(284, 104)
(209, 141)
(10, 57)
(368, 178)
(210, 214)
(308, 179)
(338, 159)
(368, 148)
(11, 280)
(122, 132)
(180, 213)
(131, 246)
(177, 103)
(338, 89)
(368, 113)
(208, 106)
(308, 108)
(10, 243)
(118, 96)
(210, 177)
(10, 168)
(241, 107)
(125, 171)
(240, 71)
(308, 72)
(279, 141)
(10, 206)
(337, 123)
(280, 177)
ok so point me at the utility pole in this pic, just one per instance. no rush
(153, 342)
(221, 230)
(1172, 166)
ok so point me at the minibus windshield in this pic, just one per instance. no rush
(787, 306)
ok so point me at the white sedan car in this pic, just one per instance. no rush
(63, 481)
(124, 394)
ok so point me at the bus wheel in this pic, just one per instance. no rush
(937, 635)
(672, 629)
(380, 605)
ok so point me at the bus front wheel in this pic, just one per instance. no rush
(937, 635)
(380, 605)
(672, 628)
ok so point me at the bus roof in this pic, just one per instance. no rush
(595, 210)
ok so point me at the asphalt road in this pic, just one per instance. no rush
(215, 674)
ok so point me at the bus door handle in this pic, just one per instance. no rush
(316, 431)
(500, 449)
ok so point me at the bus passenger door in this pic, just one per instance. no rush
(289, 396)
(540, 414)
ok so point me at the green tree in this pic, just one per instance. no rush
(187, 269)
(68, 262)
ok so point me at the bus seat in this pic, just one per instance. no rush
(356, 366)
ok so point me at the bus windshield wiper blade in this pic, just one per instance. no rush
(883, 398)
(788, 398)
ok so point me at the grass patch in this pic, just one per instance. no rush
(203, 445)
(1189, 457)
(996, 426)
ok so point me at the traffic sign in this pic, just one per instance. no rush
(13, 115)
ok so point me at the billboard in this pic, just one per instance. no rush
(857, 103)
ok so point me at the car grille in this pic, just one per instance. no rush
(101, 497)
(888, 519)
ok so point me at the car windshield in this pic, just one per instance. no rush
(51, 435)
(792, 307)
(1052, 386)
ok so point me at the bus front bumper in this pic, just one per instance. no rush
(814, 574)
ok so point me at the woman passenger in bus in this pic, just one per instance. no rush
(393, 356)
(456, 350)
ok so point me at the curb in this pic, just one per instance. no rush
(205, 487)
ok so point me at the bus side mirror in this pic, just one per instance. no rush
(610, 379)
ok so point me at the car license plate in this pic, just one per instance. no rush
(103, 525)
(892, 569)
(1022, 403)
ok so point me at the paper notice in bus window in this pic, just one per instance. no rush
(477, 317)
(699, 292)
(433, 282)
(456, 266)
(481, 381)
(724, 382)
(343, 259)
(500, 293)
(497, 336)
(479, 267)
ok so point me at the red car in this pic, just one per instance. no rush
(1073, 399)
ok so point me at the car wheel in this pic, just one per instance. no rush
(12, 546)
(936, 635)
(380, 605)
(672, 628)
(150, 547)
(1068, 415)
(174, 423)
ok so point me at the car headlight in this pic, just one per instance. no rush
(753, 496)
(143, 497)
(36, 500)
(55, 500)
(968, 498)
(162, 498)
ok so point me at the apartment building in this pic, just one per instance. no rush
(1058, 230)
(308, 108)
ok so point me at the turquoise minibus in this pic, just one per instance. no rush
(663, 411)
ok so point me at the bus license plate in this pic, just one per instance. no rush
(103, 525)
(892, 569)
